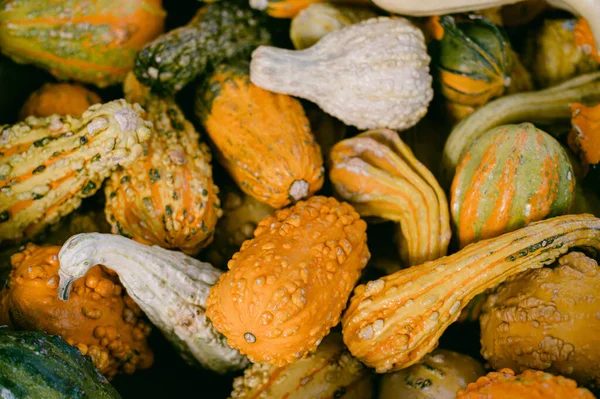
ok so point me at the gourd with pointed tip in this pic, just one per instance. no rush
(379, 175)
(530, 384)
(47, 165)
(525, 324)
(169, 286)
(392, 322)
(373, 74)
(287, 287)
(167, 197)
(101, 319)
(263, 139)
(329, 372)
(90, 41)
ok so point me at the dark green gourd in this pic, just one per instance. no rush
(38, 365)
(218, 32)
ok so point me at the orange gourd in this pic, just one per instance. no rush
(100, 319)
(530, 384)
(263, 139)
(59, 98)
(584, 138)
(585, 39)
(288, 285)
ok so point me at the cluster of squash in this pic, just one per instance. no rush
(242, 197)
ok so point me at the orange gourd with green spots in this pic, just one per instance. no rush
(509, 177)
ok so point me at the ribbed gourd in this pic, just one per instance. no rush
(169, 286)
(319, 19)
(34, 364)
(262, 139)
(379, 175)
(329, 372)
(392, 322)
(474, 62)
(287, 287)
(90, 41)
(373, 74)
(101, 320)
(219, 32)
(47, 165)
(530, 384)
(167, 197)
(525, 324)
(59, 98)
(553, 55)
(509, 177)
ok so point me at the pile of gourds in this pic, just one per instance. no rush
(317, 211)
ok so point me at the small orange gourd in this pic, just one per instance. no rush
(263, 139)
(584, 38)
(530, 384)
(584, 138)
(101, 319)
(288, 285)
(59, 98)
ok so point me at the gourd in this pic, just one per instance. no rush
(319, 19)
(549, 105)
(330, 372)
(59, 98)
(167, 197)
(92, 41)
(262, 139)
(552, 54)
(373, 74)
(241, 215)
(101, 320)
(525, 324)
(218, 32)
(584, 38)
(170, 288)
(288, 285)
(474, 61)
(510, 176)
(379, 175)
(47, 165)
(417, 8)
(38, 365)
(392, 322)
(584, 138)
(439, 375)
(530, 384)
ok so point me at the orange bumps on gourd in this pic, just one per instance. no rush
(288, 285)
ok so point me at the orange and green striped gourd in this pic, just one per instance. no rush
(167, 197)
(90, 41)
(510, 176)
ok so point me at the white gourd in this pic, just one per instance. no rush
(169, 286)
(374, 74)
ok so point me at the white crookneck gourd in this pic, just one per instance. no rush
(169, 286)
(589, 9)
(373, 74)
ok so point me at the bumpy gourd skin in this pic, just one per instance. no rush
(101, 319)
(47, 165)
(93, 41)
(546, 319)
(59, 98)
(531, 384)
(219, 32)
(378, 174)
(330, 372)
(263, 139)
(167, 197)
(288, 286)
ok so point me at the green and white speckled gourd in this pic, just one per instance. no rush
(373, 74)
(169, 286)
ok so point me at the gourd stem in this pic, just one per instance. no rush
(299, 189)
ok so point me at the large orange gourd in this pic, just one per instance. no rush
(288, 286)
(101, 319)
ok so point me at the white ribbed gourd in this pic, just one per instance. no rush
(374, 74)
(169, 286)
